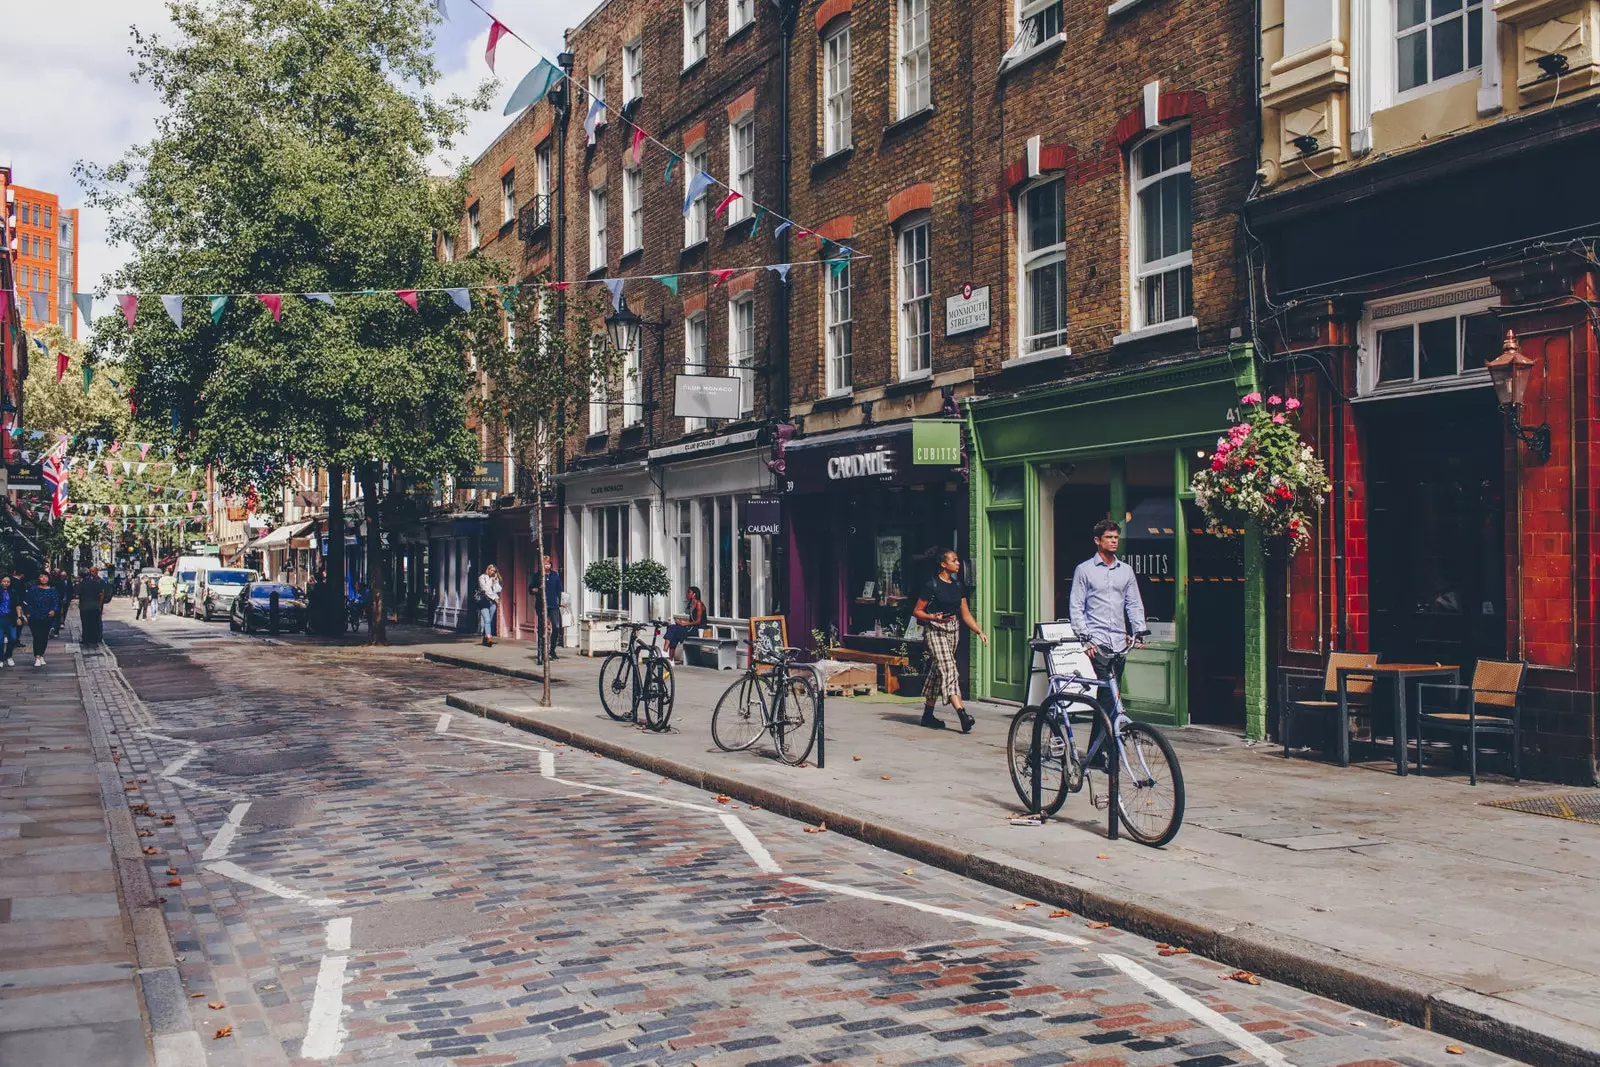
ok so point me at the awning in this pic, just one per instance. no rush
(279, 538)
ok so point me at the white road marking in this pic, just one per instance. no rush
(230, 826)
(636, 796)
(756, 850)
(164, 737)
(325, 1032)
(188, 784)
(949, 913)
(180, 763)
(547, 764)
(339, 934)
(229, 869)
(503, 744)
(1223, 1025)
(444, 722)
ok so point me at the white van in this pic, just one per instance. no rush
(216, 588)
(188, 570)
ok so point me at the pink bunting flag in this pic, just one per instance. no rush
(560, 287)
(727, 200)
(116, 446)
(638, 145)
(274, 302)
(802, 235)
(129, 303)
(409, 296)
(61, 366)
(722, 276)
(496, 31)
(144, 450)
(109, 464)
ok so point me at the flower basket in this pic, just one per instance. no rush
(1263, 474)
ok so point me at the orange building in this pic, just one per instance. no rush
(45, 257)
(13, 350)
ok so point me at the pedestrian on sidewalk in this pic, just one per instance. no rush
(93, 594)
(141, 597)
(41, 610)
(548, 607)
(942, 609)
(68, 589)
(488, 601)
(164, 587)
(1105, 608)
(10, 612)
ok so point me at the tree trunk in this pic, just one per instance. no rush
(541, 601)
(377, 571)
(333, 591)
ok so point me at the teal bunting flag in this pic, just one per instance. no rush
(838, 265)
(755, 227)
(671, 162)
(670, 281)
(217, 304)
(533, 87)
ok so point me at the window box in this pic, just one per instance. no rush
(1187, 322)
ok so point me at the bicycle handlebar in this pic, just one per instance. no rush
(1044, 644)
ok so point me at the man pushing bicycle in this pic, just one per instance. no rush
(1106, 608)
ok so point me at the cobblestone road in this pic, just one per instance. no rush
(353, 874)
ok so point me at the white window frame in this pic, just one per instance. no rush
(599, 412)
(838, 300)
(447, 247)
(836, 99)
(1374, 80)
(914, 62)
(742, 166)
(508, 195)
(740, 14)
(474, 229)
(1029, 260)
(597, 228)
(742, 348)
(694, 31)
(1466, 74)
(632, 385)
(541, 170)
(597, 91)
(632, 71)
(1412, 309)
(511, 326)
(632, 210)
(696, 357)
(1139, 271)
(694, 223)
(1030, 30)
(914, 295)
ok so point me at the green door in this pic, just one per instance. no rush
(1009, 655)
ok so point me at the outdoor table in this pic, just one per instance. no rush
(1398, 674)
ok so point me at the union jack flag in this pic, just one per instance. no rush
(55, 472)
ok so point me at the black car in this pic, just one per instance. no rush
(252, 608)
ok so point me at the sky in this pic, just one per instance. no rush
(72, 99)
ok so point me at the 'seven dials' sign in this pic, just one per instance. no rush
(966, 311)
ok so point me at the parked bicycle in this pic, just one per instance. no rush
(1143, 778)
(636, 681)
(770, 697)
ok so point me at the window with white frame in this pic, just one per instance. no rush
(1042, 263)
(542, 182)
(1038, 24)
(742, 166)
(1163, 272)
(632, 386)
(1438, 339)
(609, 538)
(915, 57)
(1435, 40)
(742, 349)
(840, 327)
(597, 229)
(683, 545)
(632, 210)
(694, 223)
(598, 420)
(474, 232)
(511, 324)
(694, 32)
(740, 12)
(696, 358)
(914, 297)
(508, 196)
(597, 91)
(447, 247)
(836, 88)
(632, 71)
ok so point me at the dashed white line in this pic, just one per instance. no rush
(949, 913)
(197, 787)
(1223, 1025)
(180, 763)
(753, 847)
(339, 934)
(229, 869)
(224, 839)
(325, 1024)
(444, 722)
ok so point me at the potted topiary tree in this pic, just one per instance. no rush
(649, 579)
(596, 634)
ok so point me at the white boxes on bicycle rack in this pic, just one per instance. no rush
(1068, 659)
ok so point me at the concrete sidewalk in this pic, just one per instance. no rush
(1406, 896)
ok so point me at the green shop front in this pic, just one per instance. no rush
(1052, 461)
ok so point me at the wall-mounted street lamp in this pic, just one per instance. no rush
(1511, 373)
(623, 327)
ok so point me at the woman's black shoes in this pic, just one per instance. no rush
(966, 720)
(929, 721)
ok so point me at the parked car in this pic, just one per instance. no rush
(213, 590)
(252, 608)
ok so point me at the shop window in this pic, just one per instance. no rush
(915, 299)
(1435, 340)
(683, 546)
(609, 539)
(1435, 40)
(726, 535)
(1042, 252)
(893, 551)
(1005, 485)
(1162, 223)
(836, 126)
(1149, 546)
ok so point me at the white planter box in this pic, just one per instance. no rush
(597, 636)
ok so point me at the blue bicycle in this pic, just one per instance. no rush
(1143, 779)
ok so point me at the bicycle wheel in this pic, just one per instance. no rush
(656, 694)
(738, 721)
(794, 718)
(616, 686)
(1053, 771)
(1150, 795)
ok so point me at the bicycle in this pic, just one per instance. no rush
(769, 701)
(649, 686)
(1144, 779)
(354, 612)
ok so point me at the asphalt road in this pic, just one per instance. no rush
(362, 876)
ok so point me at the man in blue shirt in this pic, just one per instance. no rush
(1106, 606)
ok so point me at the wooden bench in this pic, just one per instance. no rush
(719, 652)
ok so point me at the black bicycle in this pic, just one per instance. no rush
(636, 681)
(769, 698)
(1144, 779)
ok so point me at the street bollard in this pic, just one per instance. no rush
(273, 614)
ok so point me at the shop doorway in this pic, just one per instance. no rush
(1077, 509)
(1216, 634)
(1436, 534)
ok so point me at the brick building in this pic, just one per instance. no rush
(1425, 190)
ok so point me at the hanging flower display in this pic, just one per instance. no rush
(1262, 472)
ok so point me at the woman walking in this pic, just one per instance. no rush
(941, 605)
(488, 601)
(10, 611)
(141, 597)
(41, 610)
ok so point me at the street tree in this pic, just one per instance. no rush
(291, 160)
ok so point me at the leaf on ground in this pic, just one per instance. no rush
(752, 807)
(222, 1032)
(1247, 977)
(723, 798)
(885, 777)
(1098, 926)
(820, 828)
(1061, 913)
(1455, 1050)
(663, 782)
(598, 756)
(172, 870)
(1102, 856)
(1021, 904)
(196, 996)
(856, 758)
(216, 1005)
(638, 772)
(174, 881)
(150, 850)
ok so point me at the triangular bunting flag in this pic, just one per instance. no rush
(85, 302)
(174, 306)
(41, 304)
(496, 31)
(670, 281)
(591, 121)
(727, 201)
(127, 467)
(721, 276)
(274, 302)
(409, 296)
(671, 162)
(697, 185)
(755, 227)
(615, 285)
(444, 12)
(129, 303)
(217, 304)
(838, 265)
(462, 297)
(61, 366)
(780, 269)
(144, 452)
(559, 287)
(319, 298)
(531, 89)
(637, 148)
(784, 225)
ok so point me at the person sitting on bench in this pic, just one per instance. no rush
(687, 625)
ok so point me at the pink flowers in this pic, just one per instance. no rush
(1274, 400)
(1279, 420)
(1291, 404)
(1250, 398)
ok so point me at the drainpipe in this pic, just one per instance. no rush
(789, 13)
(563, 106)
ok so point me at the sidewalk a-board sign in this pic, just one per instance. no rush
(769, 635)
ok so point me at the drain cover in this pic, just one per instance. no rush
(865, 926)
(1574, 807)
(512, 786)
(268, 762)
(226, 733)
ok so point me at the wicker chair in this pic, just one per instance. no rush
(1492, 705)
(1323, 702)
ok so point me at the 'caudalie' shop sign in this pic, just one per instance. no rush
(855, 461)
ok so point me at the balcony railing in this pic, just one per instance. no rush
(533, 221)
